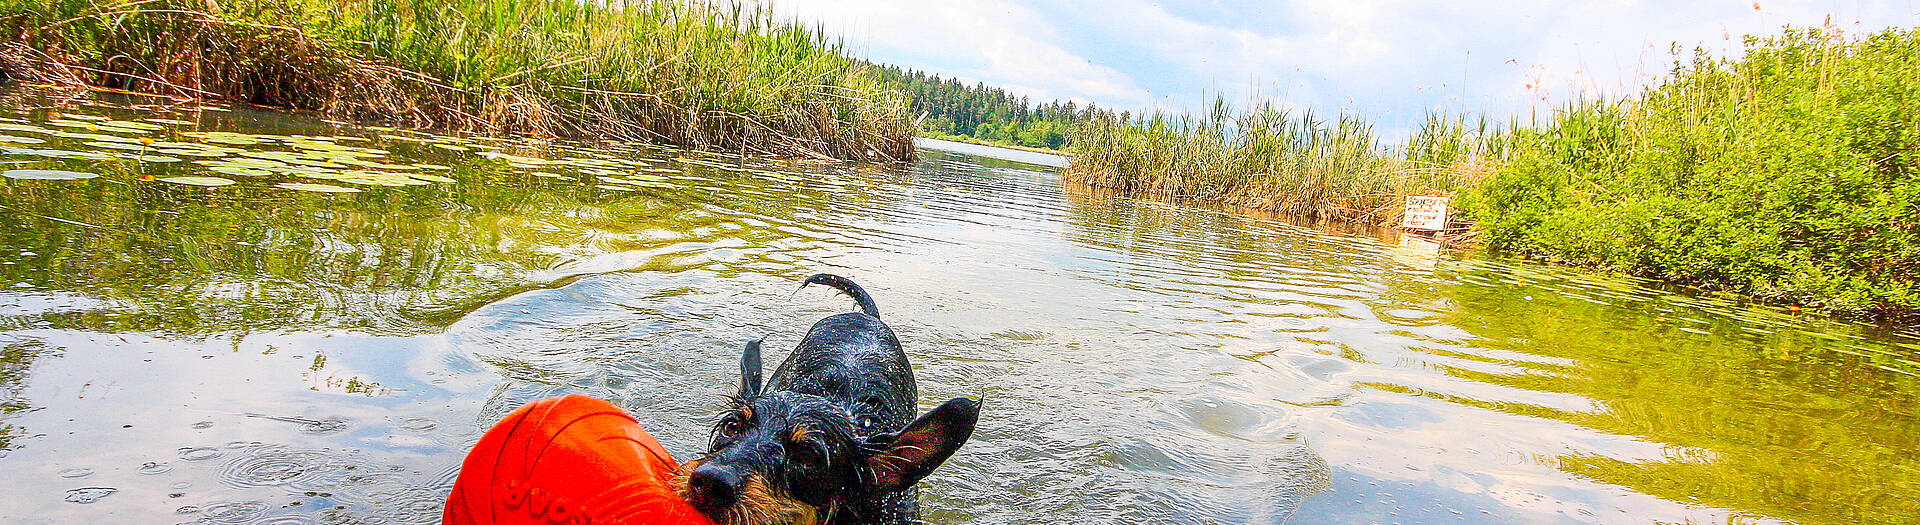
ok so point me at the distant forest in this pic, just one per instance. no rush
(952, 108)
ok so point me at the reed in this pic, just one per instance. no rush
(1270, 158)
(1788, 173)
(706, 75)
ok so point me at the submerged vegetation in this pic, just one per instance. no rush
(1788, 173)
(704, 75)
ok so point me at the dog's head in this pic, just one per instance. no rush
(783, 457)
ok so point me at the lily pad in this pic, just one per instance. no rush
(514, 159)
(131, 125)
(239, 171)
(94, 136)
(318, 164)
(612, 187)
(57, 153)
(125, 146)
(24, 128)
(194, 152)
(313, 173)
(285, 156)
(173, 121)
(198, 181)
(430, 177)
(48, 174)
(322, 188)
(257, 163)
(21, 140)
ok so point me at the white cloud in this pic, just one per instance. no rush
(994, 41)
(1390, 59)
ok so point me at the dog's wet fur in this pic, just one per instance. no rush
(831, 438)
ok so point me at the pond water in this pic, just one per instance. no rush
(261, 352)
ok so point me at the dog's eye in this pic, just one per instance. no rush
(732, 427)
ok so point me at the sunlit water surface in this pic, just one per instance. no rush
(255, 353)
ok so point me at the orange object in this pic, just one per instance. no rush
(573, 460)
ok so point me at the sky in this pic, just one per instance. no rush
(1389, 61)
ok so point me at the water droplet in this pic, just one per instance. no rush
(87, 495)
(74, 473)
(234, 512)
(199, 453)
(325, 426)
(273, 465)
(155, 467)
(418, 424)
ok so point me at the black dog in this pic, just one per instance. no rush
(828, 440)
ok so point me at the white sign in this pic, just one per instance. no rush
(1425, 213)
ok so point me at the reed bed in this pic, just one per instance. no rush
(1270, 158)
(707, 75)
(1790, 173)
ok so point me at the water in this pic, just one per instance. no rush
(1030, 157)
(257, 354)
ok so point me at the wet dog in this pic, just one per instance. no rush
(831, 438)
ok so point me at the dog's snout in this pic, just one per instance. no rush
(714, 486)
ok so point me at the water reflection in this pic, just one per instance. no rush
(250, 354)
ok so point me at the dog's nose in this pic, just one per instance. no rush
(714, 487)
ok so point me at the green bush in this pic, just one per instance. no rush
(1788, 174)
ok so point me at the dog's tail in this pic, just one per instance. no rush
(847, 287)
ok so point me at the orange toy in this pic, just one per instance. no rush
(573, 460)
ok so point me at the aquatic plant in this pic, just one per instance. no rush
(1271, 158)
(707, 75)
(1788, 173)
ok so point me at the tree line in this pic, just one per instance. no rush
(949, 107)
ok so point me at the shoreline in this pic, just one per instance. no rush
(1784, 173)
(978, 142)
(663, 72)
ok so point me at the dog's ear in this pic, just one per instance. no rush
(901, 459)
(750, 370)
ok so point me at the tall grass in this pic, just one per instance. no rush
(1271, 158)
(1791, 172)
(719, 76)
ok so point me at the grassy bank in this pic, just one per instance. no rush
(695, 74)
(993, 143)
(1787, 173)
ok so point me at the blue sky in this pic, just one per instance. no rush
(1390, 61)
